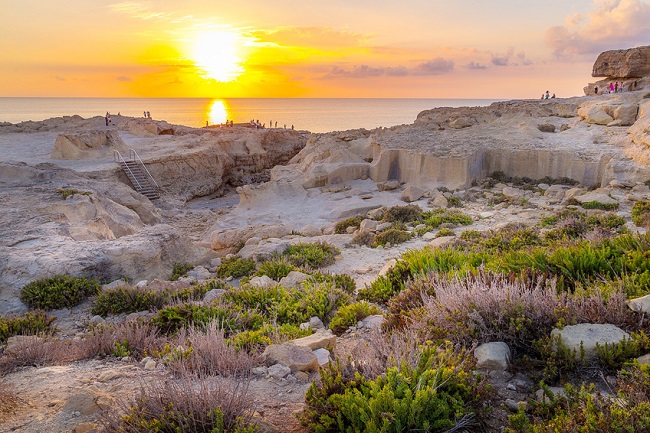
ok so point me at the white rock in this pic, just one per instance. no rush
(492, 356)
(293, 279)
(263, 282)
(323, 356)
(368, 225)
(589, 335)
(412, 193)
(278, 371)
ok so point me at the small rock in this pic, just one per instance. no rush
(97, 320)
(302, 376)
(150, 365)
(492, 356)
(323, 356)
(293, 279)
(368, 225)
(546, 127)
(512, 387)
(316, 323)
(412, 193)
(278, 371)
(259, 371)
(512, 405)
(213, 295)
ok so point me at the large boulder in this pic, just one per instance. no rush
(630, 63)
(587, 336)
(88, 144)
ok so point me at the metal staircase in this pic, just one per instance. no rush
(140, 178)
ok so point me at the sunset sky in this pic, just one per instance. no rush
(309, 48)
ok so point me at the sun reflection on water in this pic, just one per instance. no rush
(218, 112)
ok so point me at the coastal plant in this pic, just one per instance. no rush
(38, 351)
(30, 323)
(180, 270)
(403, 214)
(392, 237)
(454, 201)
(641, 213)
(341, 227)
(253, 341)
(135, 338)
(275, 268)
(206, 352)
(198, 404)
(613, 356)
(340, 281)
(439, 393)
(59, 291)
(130, 299)
(70, 192)
(236, 267)
(172, 318)
(311, 255)
(351, 314)
(364, 238)
(435, 218)
(595, 205)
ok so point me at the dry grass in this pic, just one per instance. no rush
(184, 404)
(38, 351)
(140, 338)
(8, 401)
(210, 354)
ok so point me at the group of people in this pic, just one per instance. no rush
(257, 125)
(547, 95)
(615, 87)
(147, 115)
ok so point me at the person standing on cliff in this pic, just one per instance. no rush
(616, 87)
(546, 95)
(596, 90)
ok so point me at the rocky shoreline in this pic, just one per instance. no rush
(67, 208)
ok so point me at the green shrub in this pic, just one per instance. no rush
(341, 227)
(276, 268)
(340, 281)
(454, 201)
(254, 340)
(174, 317)
(599, 205)
(60, 291)
(445, 232)
(364, 238)
(235, 267)
(31, 323)
(350, 314)
(311, 255)
(439, 393)
(433, 219)
(180, 270)
(70, 192)
(403, 214)
(392, 237)
(641, 213)
(130, 299)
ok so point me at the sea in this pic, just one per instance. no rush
(311, 114)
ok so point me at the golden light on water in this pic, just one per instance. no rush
(218, 112)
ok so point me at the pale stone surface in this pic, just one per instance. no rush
(629, 63)
(439, 201)
(323, 356)
(387, 266)
(374, 321)
(297, 358)
(87, 402)
(645, 359)
(555, 193)
(278, 371)
(388, 185)
(442, 241)
(91, 144)
(512, 193)
(368, 225)
(412, 193)
(596, 196)
(263, 282)
(589, 335)
(213, 295)
(641, 304)
(595, 113)
(293, 279)
(492, 356)
(320, 339)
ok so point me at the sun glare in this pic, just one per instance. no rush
(218, 112)
(216, 53)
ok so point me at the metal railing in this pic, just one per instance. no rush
(135, 157)
(117, 157)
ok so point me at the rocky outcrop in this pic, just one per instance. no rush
(630, 63)
(585, 337)
(90, 144)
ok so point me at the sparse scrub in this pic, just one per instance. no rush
(392, 237)
(311, 255)
(71, 192)
(341, 227)
(31, 323)
(454, 201)
(180, 270)
(236, 267)
(364, 238)
(174, 317)
(130, 299)
(445, 232)
(36, 351)
(641, 213)
(433, 219)
(275, 268)
(205, 404)
(135, 337)
(60, 291)
(350, 314)
(404, 214)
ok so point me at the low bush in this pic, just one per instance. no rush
(71, 192)
(136, 339)
(253, 341)
(60, 291)
(236, 267)
(31, 323)
(454, 201)
(130, 299)
(350, 314)
(392, 237)
(403, 214)
(445, 232)
(203, 404)
(433, 219)
(180, 270)
(276, 268)
(599, 205)
(311, 255)
(341, 227)
(641, 213)
(364, 238)
(339, 281)
(439, 393)
(172, 318)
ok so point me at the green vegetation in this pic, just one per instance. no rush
(31, 323)
(438, 393)
(60, 291)
(349, 315)
(236, 267)
(70, 192)
(276, 268)
(342, 226)
(311, 255)
(641, 213)
(392, 237)
(180, 270)
(130, 299)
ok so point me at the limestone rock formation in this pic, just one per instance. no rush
(630, 63)
(88, 144)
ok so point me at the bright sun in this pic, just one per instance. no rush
(216, 53)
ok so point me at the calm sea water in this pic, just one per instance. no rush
(315, 115)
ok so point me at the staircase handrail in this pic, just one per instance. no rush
(135, 157)
(117, 157)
